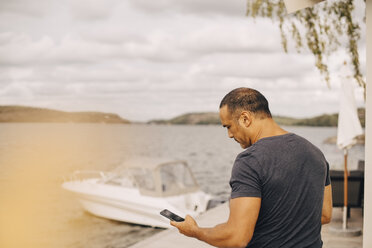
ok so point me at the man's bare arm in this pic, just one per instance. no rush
(327, 205)
(236, 232)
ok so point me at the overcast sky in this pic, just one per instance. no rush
(153, 59)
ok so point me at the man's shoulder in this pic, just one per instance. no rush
(299, 140)
(275, 146)
(247, 154)
(247, 158)
(281, 140)
(246, 166)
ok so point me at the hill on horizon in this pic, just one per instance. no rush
(13, 113)
(212, 118)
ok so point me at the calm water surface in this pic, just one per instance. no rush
(36, 212)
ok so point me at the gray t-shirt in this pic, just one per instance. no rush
(288, 173)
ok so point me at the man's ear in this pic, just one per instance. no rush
(245, 119)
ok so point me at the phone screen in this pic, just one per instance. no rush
(171, 216)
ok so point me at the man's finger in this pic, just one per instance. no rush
(188, 217)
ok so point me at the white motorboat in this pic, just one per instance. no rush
(140, 191)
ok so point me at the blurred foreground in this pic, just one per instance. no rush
(36, 212)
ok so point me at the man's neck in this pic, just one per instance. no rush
(267, 128)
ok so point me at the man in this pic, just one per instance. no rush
(280, 186)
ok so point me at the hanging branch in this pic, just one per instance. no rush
(322, 36)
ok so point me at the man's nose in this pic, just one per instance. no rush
(230, 134)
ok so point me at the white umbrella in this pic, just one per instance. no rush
(294, 5)
(348, 122)
(348, 127)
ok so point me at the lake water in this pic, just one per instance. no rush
(36, 212)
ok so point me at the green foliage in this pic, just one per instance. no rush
(209, 118)
(362, 116)
(325, 120)
(286, 121)
(320, 121)
(321, 29)
(197, 119)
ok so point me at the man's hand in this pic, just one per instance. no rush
(187, 227)
(236, 232)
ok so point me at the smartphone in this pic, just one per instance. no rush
(171, 216)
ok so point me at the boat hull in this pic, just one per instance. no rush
(121, 212)
(128, 205)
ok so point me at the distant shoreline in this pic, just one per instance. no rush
(212, 118)
(24, 114)
(360, 140)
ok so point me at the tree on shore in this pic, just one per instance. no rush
(322, 29)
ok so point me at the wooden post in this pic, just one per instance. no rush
(345, 178)
(346, 174)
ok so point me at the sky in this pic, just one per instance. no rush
(159, 59)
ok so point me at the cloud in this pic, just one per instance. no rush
(158, 45)
(20, 49)
(113, 35)
(235, 7)
(240, 36)
(150, 59)
(25, 7)
(15, 90)
(91, 9)
(256, 65)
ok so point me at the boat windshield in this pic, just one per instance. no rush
(133, 177)
(144, 178)
(176, 178)
(119, 180)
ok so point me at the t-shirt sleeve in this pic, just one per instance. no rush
(328, 179)
(245, 181)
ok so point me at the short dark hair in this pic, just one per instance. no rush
(247, 99)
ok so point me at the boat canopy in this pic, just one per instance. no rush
(161, 177)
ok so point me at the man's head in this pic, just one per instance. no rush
(246, 99)
(239, 110)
